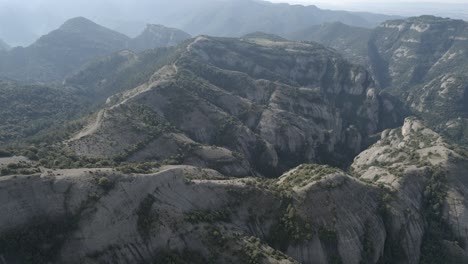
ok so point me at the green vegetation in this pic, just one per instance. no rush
(21, 168)
(147, 218)
(290, 228)
(37, 242)
(105, 183)
(215, 238)
(437, 229)
(121, 72)
(57, 157)
(141, 168)
(308, 173)
(59, 53)
(393, 248)
(153, 125)
(251, 252)
(208, 216)
(38, 113)
(368, 250)
(329, 240)
(185, 256)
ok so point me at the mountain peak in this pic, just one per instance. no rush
(155, 36)
(78, 23)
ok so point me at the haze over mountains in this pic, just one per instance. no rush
(211, 17)
(78, 41)
(323, 143)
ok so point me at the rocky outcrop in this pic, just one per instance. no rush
(101, 216)
(422, 174)
(420, 60)
(273, 104)
(402, 203)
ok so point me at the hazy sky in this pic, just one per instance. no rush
(345, 2)
(23, 21)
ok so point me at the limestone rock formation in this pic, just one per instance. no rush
(402, 203)
(265, 105)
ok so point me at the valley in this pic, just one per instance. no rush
(330, 143)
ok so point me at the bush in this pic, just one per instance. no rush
(105, 183)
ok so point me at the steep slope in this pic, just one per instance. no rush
(28, 110)
(403, 204)
(424, 61)
(77, 42)
(426, 178)
(60, 52)
(421, 60)
(266, 105)
(418, 50)
(156, 36)
(120, 71)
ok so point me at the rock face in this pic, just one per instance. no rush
(423, 174)
(405, 189)
(421, 60)
(263, 107)
(157, 36)
(424, 60)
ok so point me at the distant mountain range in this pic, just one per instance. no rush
(350, 41)
(75, 43)
(236, 18)
(211, 17)
(219, 150)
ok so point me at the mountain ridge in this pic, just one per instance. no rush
(210, 86)
(421, 60)
(186, 15)
(78, 41)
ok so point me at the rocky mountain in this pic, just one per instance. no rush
(403, 202)
(422, 60)
(348, 40)
(240, 150)
(212, 17)
(263, 107)
(39, 112)
(76, 43)
(157, 36)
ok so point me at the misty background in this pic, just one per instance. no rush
(23, 22)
